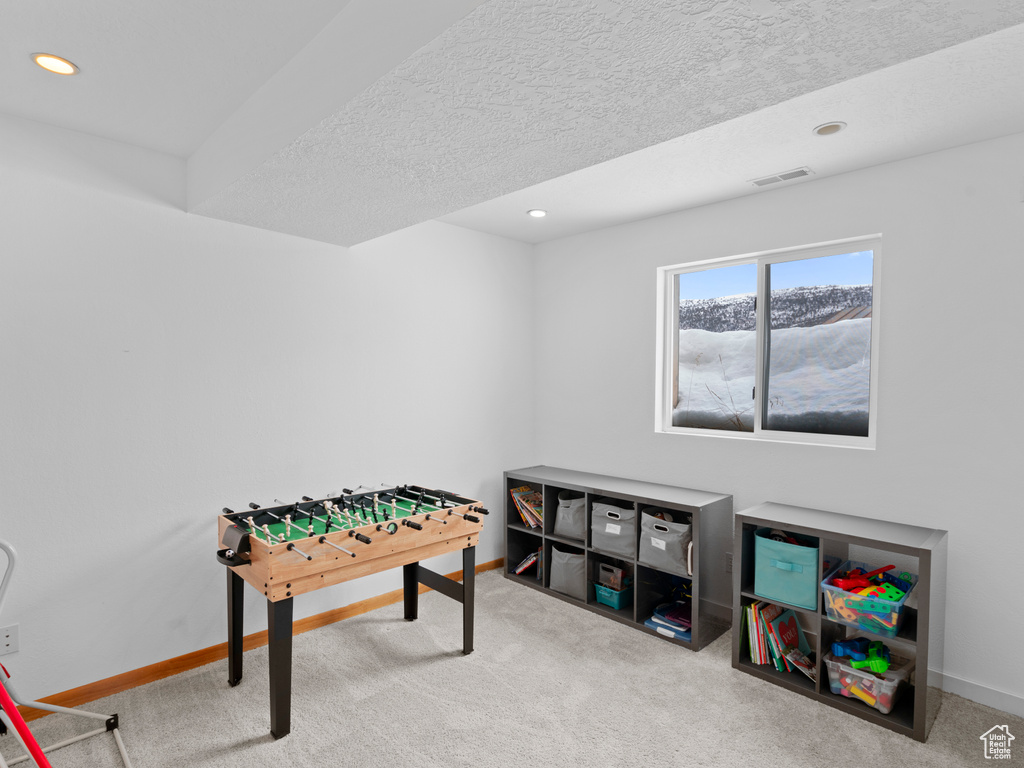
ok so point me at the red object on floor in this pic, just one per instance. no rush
(8, 706)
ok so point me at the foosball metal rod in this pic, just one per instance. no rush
(331, 508)
(472, 508)
(254, 505)
(470, 518)
(351, 531)
(436, 519)
(419, 503)
(425, 495)
(324, 540)
(352, 519)
(293, 548)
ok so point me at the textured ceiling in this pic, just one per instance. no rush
(949, 98)
(522, 91)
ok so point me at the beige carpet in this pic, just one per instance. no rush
(548, 685)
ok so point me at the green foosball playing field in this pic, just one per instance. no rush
(386, 508)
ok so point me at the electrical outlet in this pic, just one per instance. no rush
(728, 562)
(9, 640)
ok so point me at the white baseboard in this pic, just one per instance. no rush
(990, 697)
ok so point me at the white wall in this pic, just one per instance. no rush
(158, 366)
(950, 373)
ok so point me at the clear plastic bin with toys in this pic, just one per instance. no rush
(870, 599)
(866, 670)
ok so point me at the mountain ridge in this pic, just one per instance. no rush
(790, 308)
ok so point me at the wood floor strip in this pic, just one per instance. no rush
(126, 680)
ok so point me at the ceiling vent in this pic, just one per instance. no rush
(785, 176)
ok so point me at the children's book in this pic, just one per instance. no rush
(748, 614)
(787, 629)
(770, 612)
(801, 662)
(529, 560)
(765, 612)
(757, 641)
(529, 504)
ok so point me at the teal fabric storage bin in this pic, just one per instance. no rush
(786, 572)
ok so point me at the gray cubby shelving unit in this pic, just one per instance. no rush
(920, 637)
(710, 514)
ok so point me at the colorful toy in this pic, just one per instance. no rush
(890, 592)
(864, 695)
(879, 691)
(857, 578)
(838, 605)
(870, 600)
(855, 648)
(864, 653)
(877, 659)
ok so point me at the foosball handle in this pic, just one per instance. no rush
(360, 537)
(293, 548)
(324, 540)
(347, 491)
(480, 510)
(471, 518)
(415, 526)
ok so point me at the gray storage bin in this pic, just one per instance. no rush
(571, 516)
(613, 529)
(663, 544)
(568, 574)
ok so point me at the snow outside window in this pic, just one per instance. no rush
(779, 345)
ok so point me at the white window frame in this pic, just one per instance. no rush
(668, 346)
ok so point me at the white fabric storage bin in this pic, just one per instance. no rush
(571, 516)
(663, 544)
(613, 529)
(568, 574)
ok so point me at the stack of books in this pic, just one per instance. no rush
(776, 638)
(529, 504)
(672, 620)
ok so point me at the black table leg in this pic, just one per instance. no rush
(235, 634)
(411, 585)
(468, 594)
(279, 630)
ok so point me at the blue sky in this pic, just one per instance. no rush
(841, 269)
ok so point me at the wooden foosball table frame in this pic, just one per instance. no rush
(370, 541)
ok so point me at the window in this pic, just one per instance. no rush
(779, 345)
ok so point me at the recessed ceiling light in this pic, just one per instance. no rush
(537, 213)
(827, 129)
(54, 64)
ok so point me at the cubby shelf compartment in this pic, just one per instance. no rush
(921, 636)
(709, 513)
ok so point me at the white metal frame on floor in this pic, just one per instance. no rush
(110, 721)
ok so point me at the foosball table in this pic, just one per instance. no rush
(291, 549)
